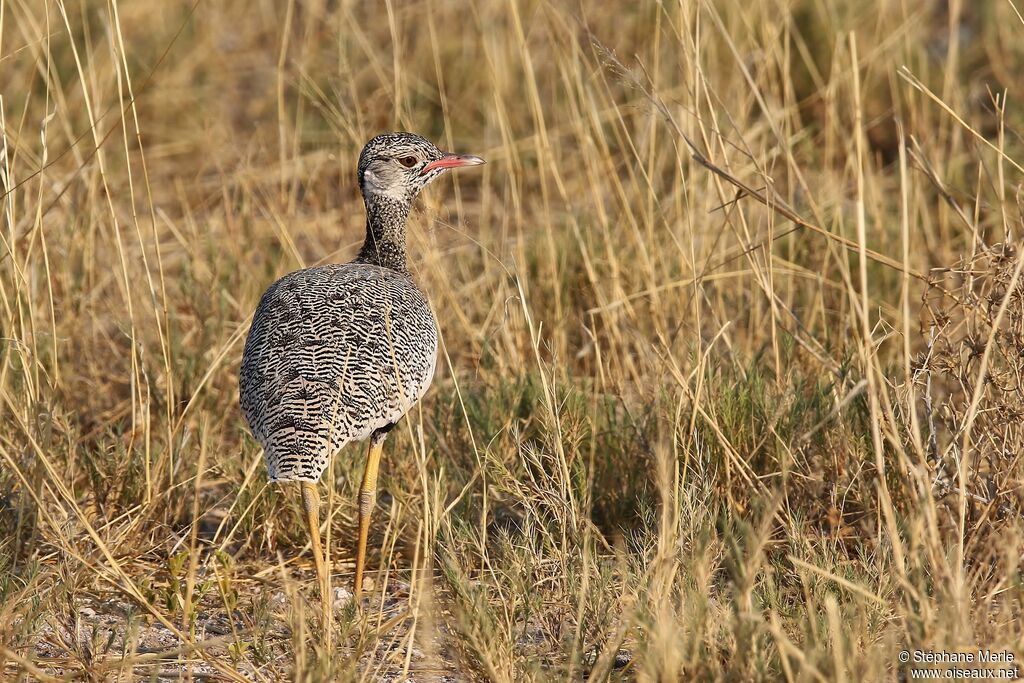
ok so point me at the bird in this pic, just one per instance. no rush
(339, 353)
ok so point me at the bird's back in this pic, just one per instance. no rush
(334, 353)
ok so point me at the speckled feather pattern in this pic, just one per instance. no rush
(337, 352)
(334, 353)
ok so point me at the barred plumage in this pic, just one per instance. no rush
(341, 352)
(334, 354)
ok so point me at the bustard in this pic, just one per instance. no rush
(341, 352)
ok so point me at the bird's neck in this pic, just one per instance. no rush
(385, 232)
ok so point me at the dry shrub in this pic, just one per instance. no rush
(971, 377)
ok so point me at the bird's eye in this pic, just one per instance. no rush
(408, 162)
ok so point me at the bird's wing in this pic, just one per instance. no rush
(333, 354)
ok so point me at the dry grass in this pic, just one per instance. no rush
(750, 415)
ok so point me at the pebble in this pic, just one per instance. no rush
(342, 597)
(278, 601)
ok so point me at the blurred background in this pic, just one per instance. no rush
(754, 415)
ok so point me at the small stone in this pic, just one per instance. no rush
(278, 601)
(342, 597)
(87, 612)
(622, 658)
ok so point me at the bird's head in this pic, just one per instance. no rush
(399, 165)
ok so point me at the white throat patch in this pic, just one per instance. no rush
(374, 186)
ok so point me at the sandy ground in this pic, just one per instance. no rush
(116, 641)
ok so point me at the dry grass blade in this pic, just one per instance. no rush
(726, 262)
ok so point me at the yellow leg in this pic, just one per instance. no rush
(367, 497)
(311, 503)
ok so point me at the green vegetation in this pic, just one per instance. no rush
(752, 415)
